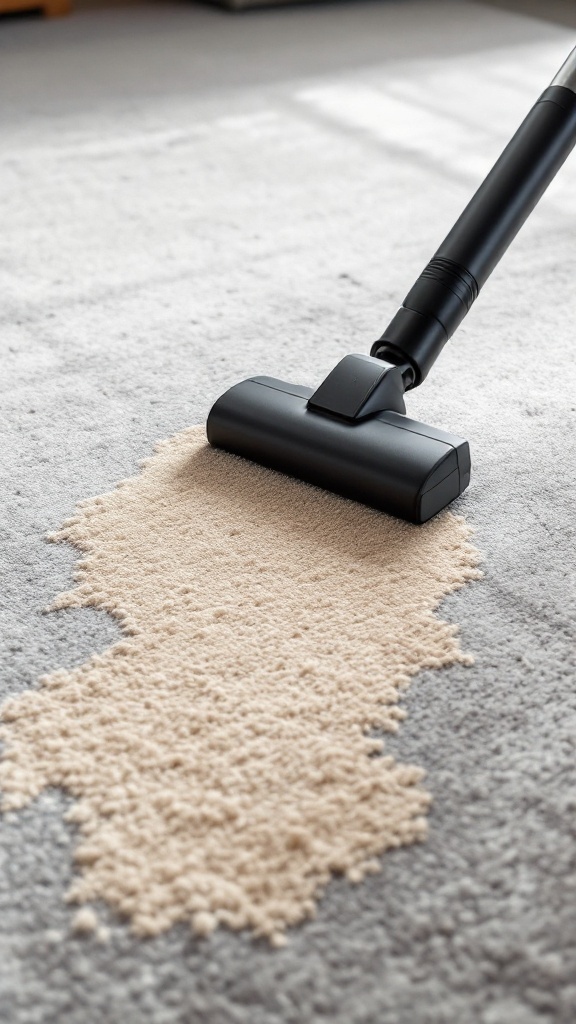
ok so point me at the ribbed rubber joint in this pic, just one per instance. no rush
(452, 275)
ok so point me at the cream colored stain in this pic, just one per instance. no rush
(220, 754)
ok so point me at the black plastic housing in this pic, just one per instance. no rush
(387, 461)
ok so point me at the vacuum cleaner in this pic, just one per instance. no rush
(351, 434)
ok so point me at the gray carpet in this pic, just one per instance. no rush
(192, 197)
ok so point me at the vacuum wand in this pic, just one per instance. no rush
(446, 289)
(351, 434)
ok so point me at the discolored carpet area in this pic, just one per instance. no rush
(201, 199)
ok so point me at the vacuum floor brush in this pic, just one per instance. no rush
(351, 435)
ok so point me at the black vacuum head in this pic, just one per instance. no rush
(382, 459)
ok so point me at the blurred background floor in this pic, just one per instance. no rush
(563, 12)
(176, 46)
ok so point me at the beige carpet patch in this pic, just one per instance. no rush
(220, 754)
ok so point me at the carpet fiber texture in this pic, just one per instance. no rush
(220, 753)
(192, 198)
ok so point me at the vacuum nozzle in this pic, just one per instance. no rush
(349, 436)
